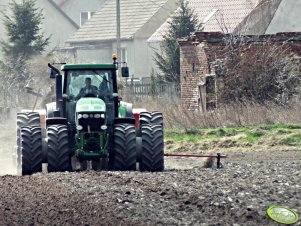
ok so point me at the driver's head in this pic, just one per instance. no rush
(88, 81)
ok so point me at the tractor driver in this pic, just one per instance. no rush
(87, 89)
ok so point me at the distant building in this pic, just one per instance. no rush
(203, 56)
(271, 17)
(95, 41)
(78, 10)
(56, 23)
(277, 22)
(215, 16)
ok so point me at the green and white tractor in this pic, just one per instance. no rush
(88, 126)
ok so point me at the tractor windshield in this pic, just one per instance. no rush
(97, 83)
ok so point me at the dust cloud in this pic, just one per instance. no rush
(8, 157)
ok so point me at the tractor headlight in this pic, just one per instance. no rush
(97, 116)
(79, 116)
(85, 116)
(79, 127)
(103, 127)
(102, 115)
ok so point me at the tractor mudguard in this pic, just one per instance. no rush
(125, 109)
(124, 120)
(55, 121)
(51, 110)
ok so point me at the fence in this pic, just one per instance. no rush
(151, 91)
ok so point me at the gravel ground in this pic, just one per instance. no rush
(238, 194)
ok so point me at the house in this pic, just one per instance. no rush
(270, 23)
(95, 41)
(56, 23)
(204, 67)
(214, 15)
(78, 10)
(271, 17)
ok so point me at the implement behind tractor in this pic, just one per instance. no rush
(88, 123)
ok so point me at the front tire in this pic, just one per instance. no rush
(31, 149)
(152, 156)
(124, 157)
(58, 149)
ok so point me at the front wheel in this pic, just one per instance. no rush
(124, 156)
(58, 149)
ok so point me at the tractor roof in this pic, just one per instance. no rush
(87, 66)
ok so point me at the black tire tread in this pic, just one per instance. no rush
(31, 149)
(154, 117)
(124, 147)
(58, 149)
(152, 156)
(25, 119)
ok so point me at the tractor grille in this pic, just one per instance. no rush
(91, 124)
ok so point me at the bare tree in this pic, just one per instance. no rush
(262, 70)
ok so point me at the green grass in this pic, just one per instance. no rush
(287, 134)
(292, 140)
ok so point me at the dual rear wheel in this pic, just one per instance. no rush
(147, 147)
(124, 152)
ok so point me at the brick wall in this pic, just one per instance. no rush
(203, 50)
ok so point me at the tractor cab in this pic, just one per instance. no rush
(90, 89)
(88, 83)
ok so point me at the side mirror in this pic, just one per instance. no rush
(53, 71)
(125, 72)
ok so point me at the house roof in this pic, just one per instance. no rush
(102, 26)
(259, 19)
(271, 17)
(63, 13)
(287, 18)
(215, 15)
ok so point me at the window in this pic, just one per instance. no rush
(102, 79)
(84, 16)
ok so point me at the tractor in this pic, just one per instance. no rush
(89, 126)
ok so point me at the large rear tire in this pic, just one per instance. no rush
(58, 149)
(151, 118)
(152, 156)
(124, 157)
(31, 149)
(25, 119)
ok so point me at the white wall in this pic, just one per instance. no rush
(54, 24)
(152, 48)
(73, 8)
(94, 55)
(287, 17)
(3, 8)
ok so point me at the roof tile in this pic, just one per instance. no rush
(226, 15)
(102, 26)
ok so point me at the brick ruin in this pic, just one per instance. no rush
(203, 51)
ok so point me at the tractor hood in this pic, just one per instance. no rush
(90, 105)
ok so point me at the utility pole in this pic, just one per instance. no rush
(118, 35)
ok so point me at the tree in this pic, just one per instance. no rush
(266, 71)
(23, 30)
(182, 23)
(24, 41)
